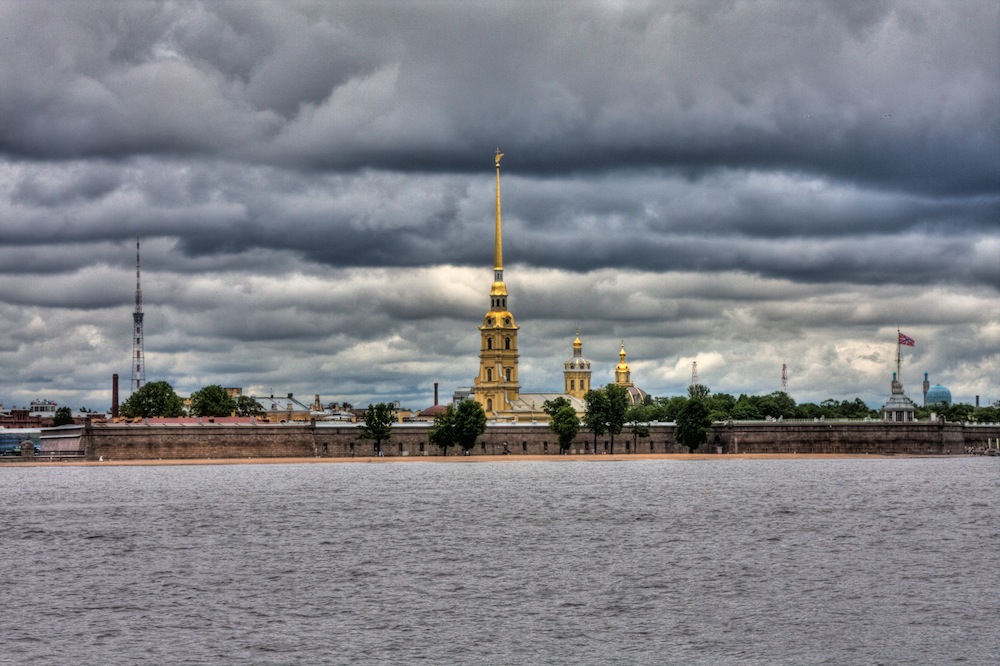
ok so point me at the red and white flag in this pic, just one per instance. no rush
(906, 340)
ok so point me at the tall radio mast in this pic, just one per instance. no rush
(138, 362)
(784, 378)
(694, 372)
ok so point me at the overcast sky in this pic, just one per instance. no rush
(741, 184)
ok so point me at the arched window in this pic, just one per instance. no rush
(489, 404)
(572, 385)
(489, 374)
(507, 373)
(506, 343)
(489, 343)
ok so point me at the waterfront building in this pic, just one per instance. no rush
(899, 408)
(43, 408)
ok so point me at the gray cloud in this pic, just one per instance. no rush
(744, 185)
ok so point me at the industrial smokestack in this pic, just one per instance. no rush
(114, 396)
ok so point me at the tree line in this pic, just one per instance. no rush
(608, 412)
(158, 399)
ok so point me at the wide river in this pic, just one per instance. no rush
(846, 561)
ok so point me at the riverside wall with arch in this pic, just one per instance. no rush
(151, 441)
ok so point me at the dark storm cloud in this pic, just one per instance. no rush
(900, 95)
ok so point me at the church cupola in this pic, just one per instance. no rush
(576, 371)
(623, 375)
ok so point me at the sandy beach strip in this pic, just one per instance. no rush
(618, 457)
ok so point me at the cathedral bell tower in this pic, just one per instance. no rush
(497, 385)
(576, 372)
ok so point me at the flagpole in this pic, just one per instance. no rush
(899, 376)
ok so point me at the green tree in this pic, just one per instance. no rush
(378, 424)
(778, 404)
(458, 425)
(248, 406)
(637, 420)
(693, 423)
(153, 399)
(855, 409)
(550, 407)
(808, 410)
(442, 433)
(667, 409)
(470, 423)
(212, 400)
(721, 406)
(746, 409)
(699, 391)
(565, 424)
(63, 416)
(618, 403)
(958, 412)
(990, 414)
(595, 417)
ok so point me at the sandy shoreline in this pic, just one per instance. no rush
(458, 459)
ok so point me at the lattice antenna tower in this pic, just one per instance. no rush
(784, 378)
(694, 372)
(138, 360)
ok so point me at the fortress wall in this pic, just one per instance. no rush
(150, 442)
(852, 437)
(141, 441)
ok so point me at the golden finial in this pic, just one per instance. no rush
(498, 156)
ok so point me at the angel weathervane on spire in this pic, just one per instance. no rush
(498, 156)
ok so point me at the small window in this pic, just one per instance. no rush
(489, 343)
(489, 374)
(489, 404)
(572, 385)
(524, 446)
(545, 447)
(507, 372)
(506, 343)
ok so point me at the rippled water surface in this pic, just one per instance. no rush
(645, 562)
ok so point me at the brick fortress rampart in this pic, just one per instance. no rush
(142, 441)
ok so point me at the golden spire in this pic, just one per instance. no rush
(498, 292)
(498, 248)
